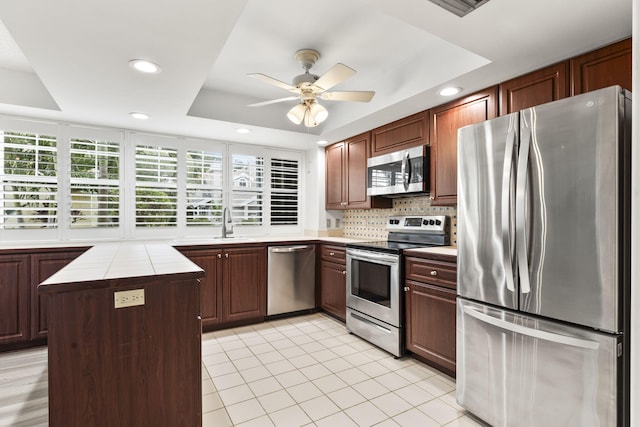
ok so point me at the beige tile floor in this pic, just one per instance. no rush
(301, 371)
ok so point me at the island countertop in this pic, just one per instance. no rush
(119, 261)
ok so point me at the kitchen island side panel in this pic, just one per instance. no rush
(138, 365)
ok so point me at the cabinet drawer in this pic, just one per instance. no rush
(431, 271)
(333, 253)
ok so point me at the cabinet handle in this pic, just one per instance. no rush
(344, 272)
(407, 289)
(332, 253)
(219, 255)
(226, 255)
(434, 273)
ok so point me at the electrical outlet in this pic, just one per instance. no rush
(128, 298)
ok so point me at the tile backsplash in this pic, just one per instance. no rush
(371, 223)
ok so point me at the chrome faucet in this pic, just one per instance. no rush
(226, 219)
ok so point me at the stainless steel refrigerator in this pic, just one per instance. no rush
(544, 264)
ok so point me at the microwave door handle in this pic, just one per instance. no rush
(405, 171)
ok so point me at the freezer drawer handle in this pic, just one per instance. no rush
(534, 333)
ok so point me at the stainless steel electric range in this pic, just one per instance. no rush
(375, 273)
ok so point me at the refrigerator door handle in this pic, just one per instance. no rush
(507, 172)
(521, 186)
(534, 333)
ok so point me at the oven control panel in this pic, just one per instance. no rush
(436, 224)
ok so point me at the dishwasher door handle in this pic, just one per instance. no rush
(288, 249)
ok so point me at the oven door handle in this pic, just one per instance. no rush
(372, 256)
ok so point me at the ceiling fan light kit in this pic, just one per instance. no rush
(309, 86)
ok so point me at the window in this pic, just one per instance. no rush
(204, 188)
(284, 192)
(156, 186)
(95, 180)
(29, 181)
(248, 186)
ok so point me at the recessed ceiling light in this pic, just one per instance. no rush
(243, 130)
(145, 66)
(322, 142)
(139, 116)
(449, 91)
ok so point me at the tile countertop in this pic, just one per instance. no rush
(122, 260)
(438, 250)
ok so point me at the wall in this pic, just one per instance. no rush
(635, 228)
(371, 223)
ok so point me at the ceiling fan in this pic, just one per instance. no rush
(310, 87)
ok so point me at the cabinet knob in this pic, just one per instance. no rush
(431, 197)
(407, 289)
(332, 253)
(344, 272)
(226, 255)
(219, 255)
(434, 273)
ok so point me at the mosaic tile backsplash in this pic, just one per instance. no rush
(371, 223)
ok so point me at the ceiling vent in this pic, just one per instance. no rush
(459, 7)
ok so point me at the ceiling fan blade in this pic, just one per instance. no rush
(337, 74)
(357, 96)
(272, 81)
(273, 101)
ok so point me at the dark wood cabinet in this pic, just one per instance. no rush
(607, 66)
(43, 266)
(445, 120)
(14, 298)
(333, 292)
(430, 310)
(210, 260)
(405, 133)
(244, 284)
(234, 285)
(539, 87)
(346, 175)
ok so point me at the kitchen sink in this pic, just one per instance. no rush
(211, 240)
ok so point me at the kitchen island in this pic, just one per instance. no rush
(125, 338)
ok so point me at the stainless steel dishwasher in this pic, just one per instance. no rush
(291, 279)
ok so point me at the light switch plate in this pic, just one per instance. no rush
(128, 298)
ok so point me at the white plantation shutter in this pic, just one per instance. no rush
(156, 186)
(95, 184)
(29, 181)
(204, 188)
(247, 189)
(284, 191)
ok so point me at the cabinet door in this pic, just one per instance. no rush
(333, 289)
(244, 284)
(431, 324)
(610, 65)
(210, 289)
(43, 266)
(539, 87)
(445, 121)
(405, 133)
(357, 150)
(14, 298)
(335, 176)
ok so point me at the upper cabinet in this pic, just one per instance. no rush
(607, 66)
(409, 132)
(539, 87)
(445, 120)
(346, 175)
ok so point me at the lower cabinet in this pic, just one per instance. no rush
(234, 286)
(333, 271)
(430, 303)
(23, 312)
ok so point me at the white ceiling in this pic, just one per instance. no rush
(67, 60)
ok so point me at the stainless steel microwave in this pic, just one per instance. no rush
(399, 173)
